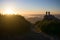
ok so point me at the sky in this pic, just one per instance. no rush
(31, 6)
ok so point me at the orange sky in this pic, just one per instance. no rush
(24, 7)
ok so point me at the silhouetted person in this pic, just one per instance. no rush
(46, 13)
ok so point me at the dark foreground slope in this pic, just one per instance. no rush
(13, 25)
(16, 27)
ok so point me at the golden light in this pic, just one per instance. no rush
(9, 11)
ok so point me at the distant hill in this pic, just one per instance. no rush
(38, 17)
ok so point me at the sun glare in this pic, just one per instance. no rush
(9, 11)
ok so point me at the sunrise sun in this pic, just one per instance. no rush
(9, 11)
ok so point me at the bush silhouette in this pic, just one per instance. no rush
(51, 27)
